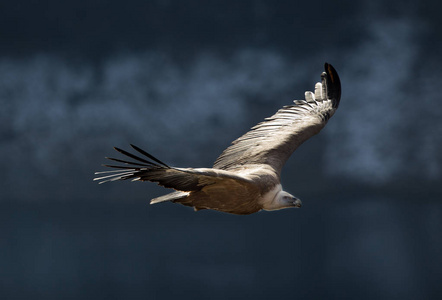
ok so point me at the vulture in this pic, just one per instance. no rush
(246, 177)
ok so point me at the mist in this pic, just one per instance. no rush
(184, 81)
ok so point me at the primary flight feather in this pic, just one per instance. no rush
(245, 178)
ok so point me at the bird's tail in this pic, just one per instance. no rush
(130, 169)
(174, 196)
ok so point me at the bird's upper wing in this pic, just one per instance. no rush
(149, 168)
(273, 141)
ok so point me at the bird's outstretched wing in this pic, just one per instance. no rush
(273, 141)
(149, 168)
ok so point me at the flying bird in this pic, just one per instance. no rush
(246, 177)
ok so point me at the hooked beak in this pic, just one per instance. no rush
(297, 202)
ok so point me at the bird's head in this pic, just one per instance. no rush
(284, 200)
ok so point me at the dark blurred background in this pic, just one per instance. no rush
(182, 79)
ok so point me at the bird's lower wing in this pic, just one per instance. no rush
(149, 168)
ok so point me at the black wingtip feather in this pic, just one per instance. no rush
(132, 155)
(131, 162)
(149, 155)
(333, 84)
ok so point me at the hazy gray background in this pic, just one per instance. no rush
(182, 79)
